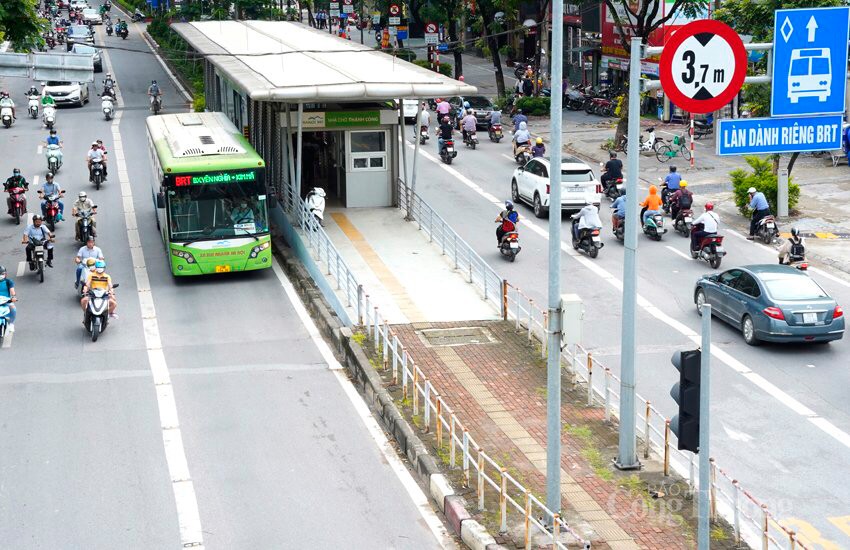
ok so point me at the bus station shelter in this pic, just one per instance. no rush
(321, 110)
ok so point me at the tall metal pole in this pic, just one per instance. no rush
(553, 362)
(298, 157)
(704, 430)
(627, 457)
(401, 141)
(411, 189)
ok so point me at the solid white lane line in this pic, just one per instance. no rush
(165, 68)
(186, 502)
(679, 252)
(7, 340)
(509, 157)
(829, 276)
(716, 351)
(39, 149)
(22, 267)
(420, 500)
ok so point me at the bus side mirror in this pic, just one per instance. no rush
(160, 200)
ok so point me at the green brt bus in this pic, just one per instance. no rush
(209, 192)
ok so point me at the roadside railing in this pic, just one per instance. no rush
(750, 518)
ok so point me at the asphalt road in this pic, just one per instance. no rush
(780, 414)
(278, 449)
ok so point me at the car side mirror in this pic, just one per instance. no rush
(160, 200)
(522, 168)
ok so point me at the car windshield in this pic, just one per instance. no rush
(202, 212)
(53, 83)
(794, 287)
(576, 176)
(79, 30)
(478, 102)
(89, 11)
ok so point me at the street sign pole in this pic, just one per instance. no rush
(703, 531)
(553, 360)
(627, 456)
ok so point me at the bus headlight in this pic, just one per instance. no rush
(185, 255)
(259, 248)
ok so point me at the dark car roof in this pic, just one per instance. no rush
(768, 269)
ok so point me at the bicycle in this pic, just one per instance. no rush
(665, 152)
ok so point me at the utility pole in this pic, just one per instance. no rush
(703, 533)
(627, 456)
(553, 361)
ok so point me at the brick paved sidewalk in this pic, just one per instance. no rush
(497, 387)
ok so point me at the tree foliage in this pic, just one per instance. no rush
(764, 179)
(20, 24)
(755, 17)
(646, 16)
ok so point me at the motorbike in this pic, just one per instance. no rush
(523, 155)
(97, 174)
(703, 127)
(109, 29)
(39, 255)
(574, 100)
(122, 32)
(471, 139)
(654, 226)
(619, 229)
(6, 116)
(51, 211)
(156, 104)
(509, 247)
(50, 41)
(588, 240)
(447, 153)
(600, 106)
(684, 221)
(611, 188)
(138, 16)
(32, 106)
(316, 204)
(19, 203)
(710, 249)
(54, 161)
(494, 132)
(106, 106)
(86, 226)
(96, 317)
(767, 229)
(423, 134)
(650, 144)
(5, 311)
(48, 116)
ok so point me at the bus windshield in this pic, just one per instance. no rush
(203, 212)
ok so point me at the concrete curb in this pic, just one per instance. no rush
(369, 382)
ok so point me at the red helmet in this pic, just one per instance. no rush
(709, 206)
(439, 100)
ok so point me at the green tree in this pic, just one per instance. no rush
(447, 12)
(644, 18)
(20, 24)
(490, 28)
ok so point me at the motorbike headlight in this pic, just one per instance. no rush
(185, 255)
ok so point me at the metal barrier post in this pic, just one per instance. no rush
(666, 447)
(589, 379)
(480, 485)
(386, 360)
(530, 316)
(765, 537)
(415, 390)
(792, 540)
(439, 423)
(504, 299)
(647, 441)
(403, 373)
(377, 328)
(607, 394)
(465, 451)
(503, 501)
(455, 250)
(712, 497)
(427, 414)
(395, 359)
(556, 529)
(366, 310)
(484, 280)
(736, 511)
(527, 545)
(452, 457)
(469, 270)
(431, 226)
(338, 285)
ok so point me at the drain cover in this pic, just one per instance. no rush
(459, 336)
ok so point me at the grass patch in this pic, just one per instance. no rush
(718, 533)
(359, 338)
(590, 452)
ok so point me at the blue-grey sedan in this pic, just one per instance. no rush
(772, 303)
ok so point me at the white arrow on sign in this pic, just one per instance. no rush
(812, 26)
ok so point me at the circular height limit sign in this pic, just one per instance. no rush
(703, 66)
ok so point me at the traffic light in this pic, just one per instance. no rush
(686, 393)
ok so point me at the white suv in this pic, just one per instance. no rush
(579, 187)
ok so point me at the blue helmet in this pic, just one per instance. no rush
(100, 264)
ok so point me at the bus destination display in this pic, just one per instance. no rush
(215, 178)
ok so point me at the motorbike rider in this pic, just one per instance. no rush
(121, 26)
(522, 137)
(508, 220)
(6, 101)
(15, 180)
(682, 199)
(47, 101)
(706, 224)
(424, 120)
(758, 204)
(444, 108)
(86, 252)
(7, 289)
(242, 213)
(495, 117)
(613, 170)
(651, 204)
(50, 187)
(444, 132)
(37, 230)
(519, 118)
(103, 150)
(539, 149)
(588, 218)
(33, 92)
(96, 154)
(154, 92)
(671, 184)
(53, 139)
(794, 245)
(84, 204)
(99, 279)
(618, 210)
(468, 123)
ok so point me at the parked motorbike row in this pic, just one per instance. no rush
(601, 102)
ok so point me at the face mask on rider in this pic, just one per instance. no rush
(100, 270)
(243, 206)
(2, 276)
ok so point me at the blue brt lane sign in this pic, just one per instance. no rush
(809, 61)
(778, 135)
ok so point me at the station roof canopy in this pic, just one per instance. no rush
(285, 61)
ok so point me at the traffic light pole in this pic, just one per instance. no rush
(704, 449)
(627, 456)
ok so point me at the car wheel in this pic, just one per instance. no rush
(539, 211)
(514, 192)
(748, 330)
(699, 299)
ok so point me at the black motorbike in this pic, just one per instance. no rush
(447, 151)
(588, 240)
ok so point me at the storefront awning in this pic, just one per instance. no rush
(285, 61)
